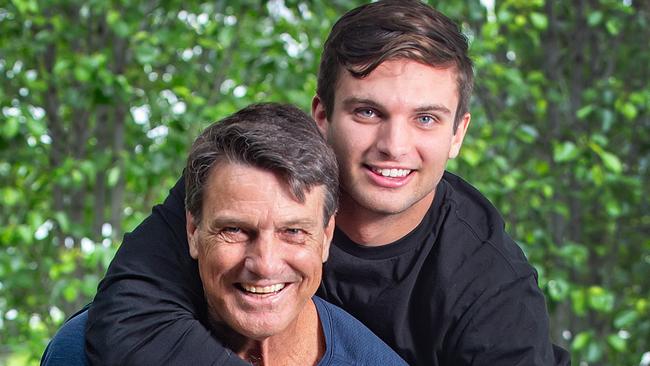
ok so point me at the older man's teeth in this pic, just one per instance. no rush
(393, 173)
(263, 289)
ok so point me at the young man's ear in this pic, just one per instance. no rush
(319, 115)
(192, 235)
(327, 238)
(459, 135)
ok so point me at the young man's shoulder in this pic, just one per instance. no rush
(473, 234)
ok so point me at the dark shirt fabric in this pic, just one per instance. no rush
(348, 342)
(455, 291)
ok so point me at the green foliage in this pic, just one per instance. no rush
(562, 96)
(99, 102)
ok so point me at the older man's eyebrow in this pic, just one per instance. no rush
(300, 222)
(226, 220)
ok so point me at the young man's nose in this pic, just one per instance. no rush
(394, 139)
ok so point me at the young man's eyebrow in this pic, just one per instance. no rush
(351, 101)
(434, 108)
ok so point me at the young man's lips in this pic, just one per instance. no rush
(391, 172)
(389, 177)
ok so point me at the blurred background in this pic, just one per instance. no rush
(100, 100)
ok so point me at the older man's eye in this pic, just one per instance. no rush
(233, 234)
(294, 235)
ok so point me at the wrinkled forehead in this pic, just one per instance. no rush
(248, 191)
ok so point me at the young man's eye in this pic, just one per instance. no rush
(426, 120)
(366, 113)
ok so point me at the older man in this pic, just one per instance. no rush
(260, 218)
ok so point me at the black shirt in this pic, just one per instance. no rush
(456, 290)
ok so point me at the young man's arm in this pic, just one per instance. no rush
(507, 325)
(147, 307)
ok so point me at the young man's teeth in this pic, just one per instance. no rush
(392, 172)
(263, 289)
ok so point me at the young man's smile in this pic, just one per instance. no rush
(393, 132)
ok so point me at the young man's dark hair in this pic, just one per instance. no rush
(279, 138)
(367, 36)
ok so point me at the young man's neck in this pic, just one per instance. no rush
(370, 228)
(302, 343)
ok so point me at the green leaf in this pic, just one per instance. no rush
(579, 302)
(10, 128)
(597, 175)
(113, 176)
(594, 352)
(613, 208)
(26, 6)
(612, 162)
(565, 151)
(576, 254)
(539, 20)
(63, 221)
(583, 112)
(10, 196)
(77, 177)
(594, 18)
(36, 127)
(617, 343)
(626, 319)
(613, 26)
(146, 53)
(70, 293)
(527, 133)
(600, 299)
(580, 341)
(629, 110)
(81, 73)
(558, 289)
(470, 156)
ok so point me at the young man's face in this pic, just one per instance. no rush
(260, 252)
(393, 133)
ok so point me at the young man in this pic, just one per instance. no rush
(260, 248)
(418, 255)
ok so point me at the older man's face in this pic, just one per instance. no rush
(260, 252)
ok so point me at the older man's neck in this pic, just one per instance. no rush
(302, 343)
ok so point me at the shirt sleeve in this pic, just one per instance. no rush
(508, 325)
(148, 308)
(67, 346)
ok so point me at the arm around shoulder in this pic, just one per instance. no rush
(147, 307)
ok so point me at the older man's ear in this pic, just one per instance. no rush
(192, 235)
(327, 238)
